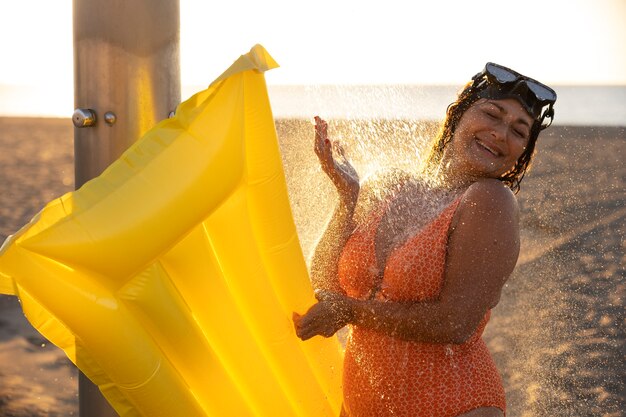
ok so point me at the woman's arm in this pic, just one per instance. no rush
(482, 252)
(346, 181)
(328, 249)
(324, 274)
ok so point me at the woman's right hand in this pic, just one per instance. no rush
(339, 169)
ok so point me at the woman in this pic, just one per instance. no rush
(416, 266)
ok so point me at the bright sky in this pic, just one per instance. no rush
(350, 41)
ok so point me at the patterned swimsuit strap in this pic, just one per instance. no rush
(380, 212)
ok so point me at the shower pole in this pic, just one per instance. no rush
(126, 79)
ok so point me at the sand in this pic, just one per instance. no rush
(36, 165)
(557, 335)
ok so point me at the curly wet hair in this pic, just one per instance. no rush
(455, 111)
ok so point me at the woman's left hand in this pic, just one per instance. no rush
(331, 313)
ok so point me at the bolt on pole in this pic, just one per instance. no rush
(126, 79)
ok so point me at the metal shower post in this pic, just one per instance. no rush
(126, 79)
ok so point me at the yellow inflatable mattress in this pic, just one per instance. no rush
(170, 279)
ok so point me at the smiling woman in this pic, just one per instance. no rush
(414, 265)
(491, 136)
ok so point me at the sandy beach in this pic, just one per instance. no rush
(557, 335)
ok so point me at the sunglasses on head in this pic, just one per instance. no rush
(505, 75)
(535, 95)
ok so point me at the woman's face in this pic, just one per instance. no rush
(489, 139)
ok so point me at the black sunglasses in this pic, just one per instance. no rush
(504, 75)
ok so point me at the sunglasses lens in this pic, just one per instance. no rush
(540, 91)
(503, 75)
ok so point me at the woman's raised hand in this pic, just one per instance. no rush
(335, 164)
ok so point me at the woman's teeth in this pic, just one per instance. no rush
(485, 146)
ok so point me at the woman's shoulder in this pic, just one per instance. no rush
(488, 200)
(491, 193)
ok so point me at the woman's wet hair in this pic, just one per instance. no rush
(466, 98)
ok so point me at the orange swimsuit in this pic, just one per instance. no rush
(386, 376)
